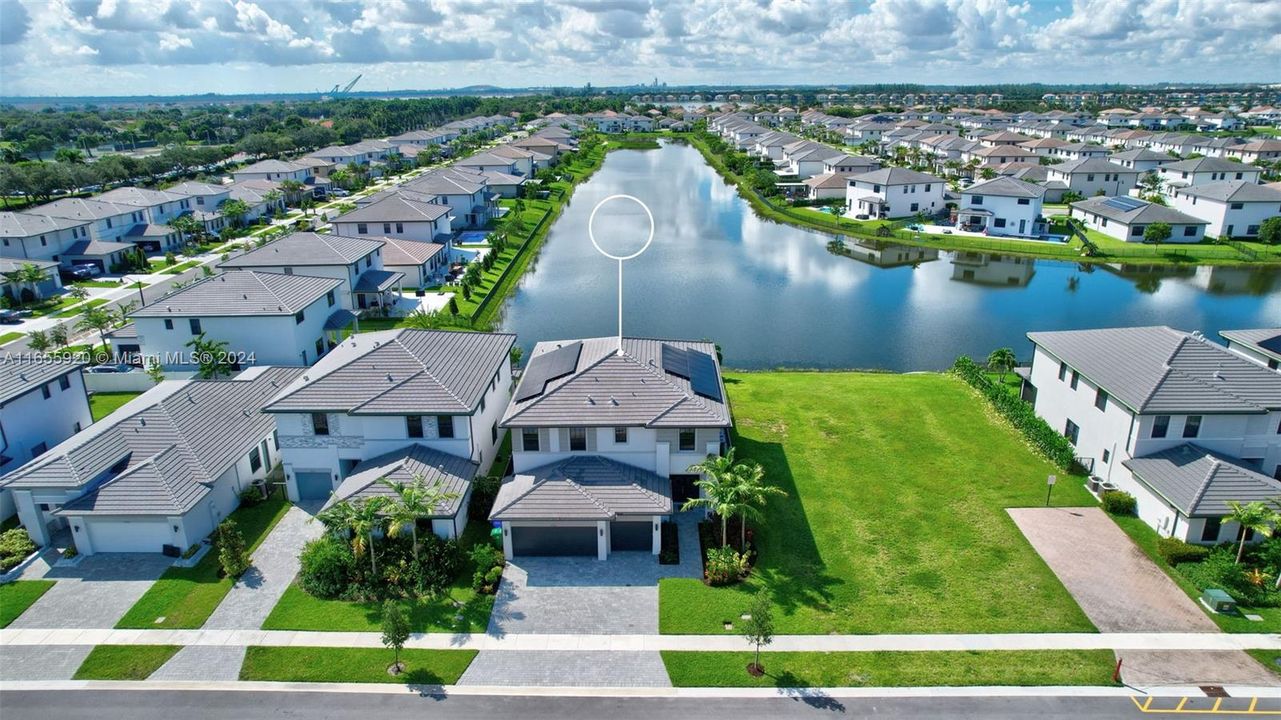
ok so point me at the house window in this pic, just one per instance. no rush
(529, 439)
(1210, 529)
(320, 347)
(493, 432)
(1101, 399)
(319, 424)
(978, 200)
(400, 228)
(195, 326)
(1160, 426)
(686, 440)
(1189, 231)
(1107, 456)
(289, 271)
(255, 460)
(299, 317)
(445, 426)
(64, 383)
(1076, 377)
(329, 297)
(386, 228)
(1072, 431)
(1062, 371)
(999, 222)
(45, 392)
(414, 426)
(362, 229)
(168, 324)
(577, 439)
(1192, 427)
(1237, 206)
(1137, 230)
(1025, 201)
(620, 436)
(78, 428)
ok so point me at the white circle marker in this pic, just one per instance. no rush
(620, 258)
(592, 220)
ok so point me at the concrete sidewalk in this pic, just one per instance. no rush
(649, 643)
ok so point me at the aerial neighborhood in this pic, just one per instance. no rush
(287, 390)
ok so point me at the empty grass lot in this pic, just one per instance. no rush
(186, 597)
(103, 404)
(364, 665)
(124, 662)
(17, 596)
(892, 669)
(895, 517)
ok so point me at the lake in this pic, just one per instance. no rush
(773, 295)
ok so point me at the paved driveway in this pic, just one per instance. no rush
(96, 593)
(587, 596)
(554, 668)
(41, 662)
(275, 563)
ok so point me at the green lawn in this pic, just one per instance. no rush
(892, 669)
(895, 516)
(365, 665)
(9, 337)
(180, 268)
(17, 596)
(185, 597)
(103, 404)
(1146, 538)
(124, 662)
(1271, 659)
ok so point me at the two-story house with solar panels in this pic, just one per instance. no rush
(603, 435)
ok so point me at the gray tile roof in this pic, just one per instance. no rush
(307, 248)
(582, 488)
(1266, 341)
(409, 252)
(192, 188)
(139, 197)
(1200, 482)
(1092, 165)
(1143, 212)
(395, 207)
(608, 389)
(1163, 370)
(20, 225)
(406, 465)
(895, 176)
(1142, 154)
(1235, 191)
(96, 248)
(1209, 164)
(1005, 187)
(372, 281)
(245, 293)
(82, 209)
(159, 485)
(20, 374)
(213, 423)
(400, 372)
(12, 264)
(438, 182)
(340, 319)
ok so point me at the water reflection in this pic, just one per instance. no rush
(776, 295)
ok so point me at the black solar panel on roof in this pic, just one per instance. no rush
(1124, 204)
(1273, 344)
(702, 375)
(676, 361)
(544, 368)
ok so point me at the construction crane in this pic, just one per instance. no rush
(336, 91)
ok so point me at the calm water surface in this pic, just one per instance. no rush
(774, 296)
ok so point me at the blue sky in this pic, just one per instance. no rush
(128, 47)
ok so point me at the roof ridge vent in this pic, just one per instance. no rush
(613, 401)
(1218, 374)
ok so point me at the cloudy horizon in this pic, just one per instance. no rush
(180, 47)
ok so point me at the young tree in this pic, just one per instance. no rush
(38, 340)
(453, 306)
(395, 632)
(155, 372)
(759, 629)
(99, 319)
(78, 292)
(1156, 233)
(1001, 360)
(1270, 231)
(58, 336)
(212, 359)
(719, 488)
(1251, 516)
(235, 210)
(233, 555)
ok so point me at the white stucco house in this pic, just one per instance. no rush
(602, 439)
(1206, 170)
(416, 401)
(1176, 420)
(1261, 345)
(265, 319)
(399, 214)
(159, 473)
(1002, 206)
(893, 192)
(275, 170)
(1233, 208)
(1127, 218)
(1092, 176)
(42, 403)
(27, 236)
(356, 261)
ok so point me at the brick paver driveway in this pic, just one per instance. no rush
(1122, 590)
(41, 662)
(94, 594)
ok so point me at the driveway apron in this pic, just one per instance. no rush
(96, 593)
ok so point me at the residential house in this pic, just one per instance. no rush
(106, 221)
(274, 170)
(466, 194)
(263, 197)
(604, 432)
(417, 401)
(42, 403)
(26, 292)
(1181, 423)
(893, 192)
(997, 154)
(1255, 151)
(26, 236)
(398, 214)
(828, 186)
(264, 319)
(1127, 218)
(806, 159)
(422, 263)
(522, 161)
(1205, 170)
(1002, 206)
(1142, 160)
(356, 261)
(205, 201)
(1094, 176)
(1233, 208)
(160, 206)
(1261, 345)
(159, 473)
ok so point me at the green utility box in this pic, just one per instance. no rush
(1219, 601)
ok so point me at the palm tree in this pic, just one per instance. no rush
(1251, 516)
(1002, 360)
(211, 357)
(98, 319)
(754, 493)
(235, 210)
(187, 226)
(359, 519)
(414, 500)
(26, 274)
(719, 488)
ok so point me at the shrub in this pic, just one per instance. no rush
(489, 563)
(438, 563)
(70, 553)
(1020, 414)
(327, 567)
(483, 491)
(233, 555)
(1117, 502)
(250, 496)
(1219, 569)
(15, 546)
(1176, 551)
(191, 552)
(725, 566)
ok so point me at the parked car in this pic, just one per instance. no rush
(339, 192)
(72, 274)
(109, 369)
(9, 317)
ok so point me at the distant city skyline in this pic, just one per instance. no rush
(181, 47)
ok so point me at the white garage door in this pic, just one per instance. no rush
(129, 535)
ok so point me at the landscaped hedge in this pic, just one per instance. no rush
(1176, 551)
(1119, 502)
(1044, 438)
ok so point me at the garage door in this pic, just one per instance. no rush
(314, 485)
(631, 536)
(554, 540)
(129, 536)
